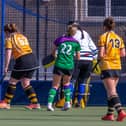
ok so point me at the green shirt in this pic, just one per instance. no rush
(66, 50)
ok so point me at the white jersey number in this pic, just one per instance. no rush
(66, 49)
(22, 41)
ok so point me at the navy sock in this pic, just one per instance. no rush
(71, 90)
(81, 91)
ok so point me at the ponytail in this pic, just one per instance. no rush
(82, 33)
(78, 27)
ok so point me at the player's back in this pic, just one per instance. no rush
(66, 50)
(19, 44)
(112, 43)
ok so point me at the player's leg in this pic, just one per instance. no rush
(119, 109)
(67, 92)
(85, 70)
(113, 100)
(110, 84)
(73, 84)
(53, 90)
(29, 90)
(61, 100)
(5, 104)
(110, 87)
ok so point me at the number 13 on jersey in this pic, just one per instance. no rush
(115, 43)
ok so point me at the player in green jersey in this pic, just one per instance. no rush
(67, 47)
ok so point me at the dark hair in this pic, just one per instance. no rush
(78, 26)
(10, 28)
(73, 22)
(109, 23)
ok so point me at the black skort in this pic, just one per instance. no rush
(60, 71)
(110, 73)
(24, 67)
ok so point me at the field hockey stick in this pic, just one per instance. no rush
(48, 61)
(95, 66)
(87, 86)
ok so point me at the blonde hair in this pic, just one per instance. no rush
(71, 30)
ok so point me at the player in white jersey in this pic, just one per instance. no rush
(83, 68)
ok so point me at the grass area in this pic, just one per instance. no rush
(18, 116)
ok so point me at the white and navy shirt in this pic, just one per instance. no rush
(88, 49)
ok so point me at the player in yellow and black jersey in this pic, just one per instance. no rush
(17, 45)
(111, 48)
(112, 45)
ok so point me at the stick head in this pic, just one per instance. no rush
(48, 61)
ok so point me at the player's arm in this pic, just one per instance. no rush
(101, 53)
(54, 51)
(92, 46)
(78, 55)
(101, 48)
(122, 52)
(55, 45)
(8, 53)
(122, 49)
(78, 52)
(91, 43)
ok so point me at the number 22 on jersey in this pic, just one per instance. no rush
(66, 49)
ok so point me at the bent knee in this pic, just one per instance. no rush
(13, 81)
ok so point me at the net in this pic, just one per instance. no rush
(42, 23)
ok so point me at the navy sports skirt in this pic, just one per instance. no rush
(26, 63)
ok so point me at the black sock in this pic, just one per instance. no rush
(10, 93)
(31, 94)
(116, 103)
(110, 108)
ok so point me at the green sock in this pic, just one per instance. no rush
(67, 93)
(52, 94)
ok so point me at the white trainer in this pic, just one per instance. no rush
(67, 106)
(50, 108)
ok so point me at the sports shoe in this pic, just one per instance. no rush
(66, 106)
(121, 116)
(4, 105)
(49, 107)
(108, 117)
(33, 106)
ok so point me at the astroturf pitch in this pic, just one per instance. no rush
(91, 116)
